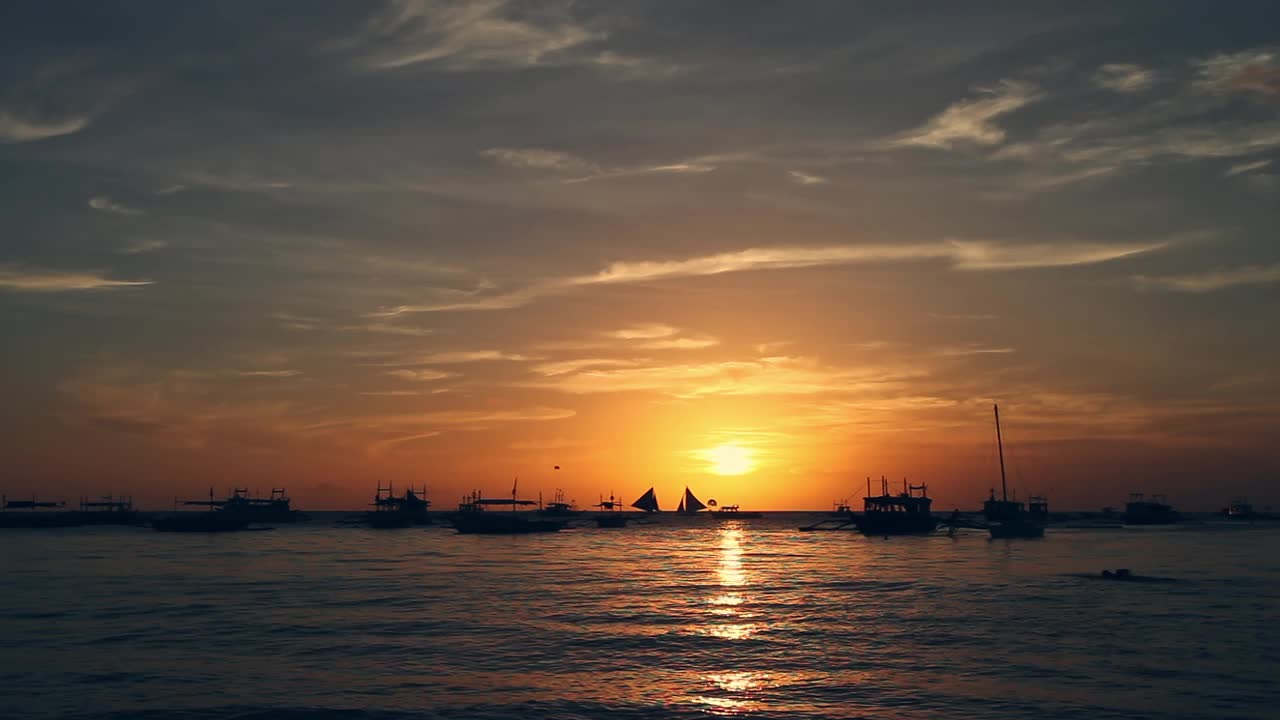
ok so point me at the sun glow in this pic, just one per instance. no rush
(729, 459)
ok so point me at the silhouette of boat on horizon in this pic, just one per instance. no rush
(907, 513)
(1009, 518)
(215, 518)
(275, 508)
(1156, 511)
(648, 502)
(690, 504)
(36, 513)
(611, 514)
(733, 512)
(475, 516)
(390, 512)
(559, 507)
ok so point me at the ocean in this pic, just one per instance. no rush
(686, 618)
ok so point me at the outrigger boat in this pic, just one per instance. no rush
(272, 509)
(40, 513)
(559, 507)
(612, 515)
(108, 510)
(390, 511)
(906, 513)
(215, 519)
(1156, 511)
(474, 516)
(1007, 518)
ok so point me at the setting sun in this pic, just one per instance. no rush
(729, 459)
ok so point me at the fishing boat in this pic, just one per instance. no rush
(689, 504)
(559, 507)
(1009, 518)
(841, 509)
(36, 513)
(1141, 511)
(391, 512)
(732, 512)
(1240, 510)
(215, 518)
(107, 510)
(907, 513)
(478, 515)
(647, 502)
(275, 508)
(611, 513)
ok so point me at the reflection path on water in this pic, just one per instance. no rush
(682, 618)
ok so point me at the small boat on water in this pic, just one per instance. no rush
(907, 513)
(732, 512)
(107, 510)
(390, 512)
(841, 509)
(275, 508)
(559, 507)
(35, 513)
(1156, 511)
(1008, 518)
(690, 504)
(215, 518)
(611, 513)
(1240, 509)
(647, 502)
(478, 515)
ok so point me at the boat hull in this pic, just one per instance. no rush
(615, 520)
(1002, 531)
(896, 524)
(200, 522)
(502, 524)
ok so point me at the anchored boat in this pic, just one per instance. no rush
(478, 515)
(689, 504)
(1141, 511)
(612, 515)
(907, 513)
(407, 510)
(732, 512)
(1008, 518)
(215, 518)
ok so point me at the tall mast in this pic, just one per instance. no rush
(1004, 489)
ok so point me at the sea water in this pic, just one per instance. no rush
(683, 618)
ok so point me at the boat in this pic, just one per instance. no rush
(214, 519)
(391, 512)
(647, 502)
(1240, 510)
(732, 512)
(107, 510)
(276, 508)
(611, 515)
(907, 513)
(37, 513)
(559, 507)
(1009, 518)
(841, 509)
(689, 504)
(475, 516)
(1141, 511)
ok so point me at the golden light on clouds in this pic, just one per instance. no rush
(729, 459)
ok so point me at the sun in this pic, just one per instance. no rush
(729, 459)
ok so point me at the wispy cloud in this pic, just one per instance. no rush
(1213, 280)
(563, 367)
(419, 375)
(16, 128)
(35, 280)
(105, 204)
(643, 332)
(139, 246)
(972, 121)
(1124, 77)
(268, 373)
(1249, 71)
(1242, 168)
(800, 178)
(538, 158)
(961, 254)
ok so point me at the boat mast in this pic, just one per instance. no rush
(1004, 489)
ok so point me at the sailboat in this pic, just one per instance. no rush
(1007, 517)
(689, 504)
(647, 502)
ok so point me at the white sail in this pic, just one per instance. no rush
(648, 502)
(690, 503)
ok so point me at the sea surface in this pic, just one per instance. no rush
(680, 619)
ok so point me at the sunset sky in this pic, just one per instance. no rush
(763, 249)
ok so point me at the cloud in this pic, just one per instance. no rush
(468, 356)
(962, 255)
(643, 332)
(1210, 281)
(107, 205)
(35, 280)
(171, 189)
(681, 168)
(563, 367)
(971, 121)
(462, 36)
(1124, 77)
(1250, 71)
(18, 129)
(963, 350)
(268, 373)
(538, 158)
(1246, 167)
(142, 245)
(419, 375)
(805, 179)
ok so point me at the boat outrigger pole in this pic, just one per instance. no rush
(1004, 489)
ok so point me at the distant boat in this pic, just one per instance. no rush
(476, 516)
(611, 515)
(108, 510)
(1240, 510)
(40, 513)
(647, 502)
(1141, 511)
(272, 509)
(558, 507)
(214, 519)
(1007, 518)
(689, 505)
(907, 513)
(841, 509)
(391, 512)
(733, 512)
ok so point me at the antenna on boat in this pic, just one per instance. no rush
(1004, 488)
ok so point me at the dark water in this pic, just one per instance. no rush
(747, 619)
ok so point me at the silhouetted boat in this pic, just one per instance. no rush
(275, 508)
(108, 510)
(34, 513)
(559, 507)
(1240, 510)
(611, 515)
(841, 509)
(477, 516)
(907, 513)
(391, 512)
(214, 519)
(1140, 511)
(647, 502)
(689, 504)
(1007, 518)
(733, 512)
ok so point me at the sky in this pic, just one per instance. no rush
(765, 250)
